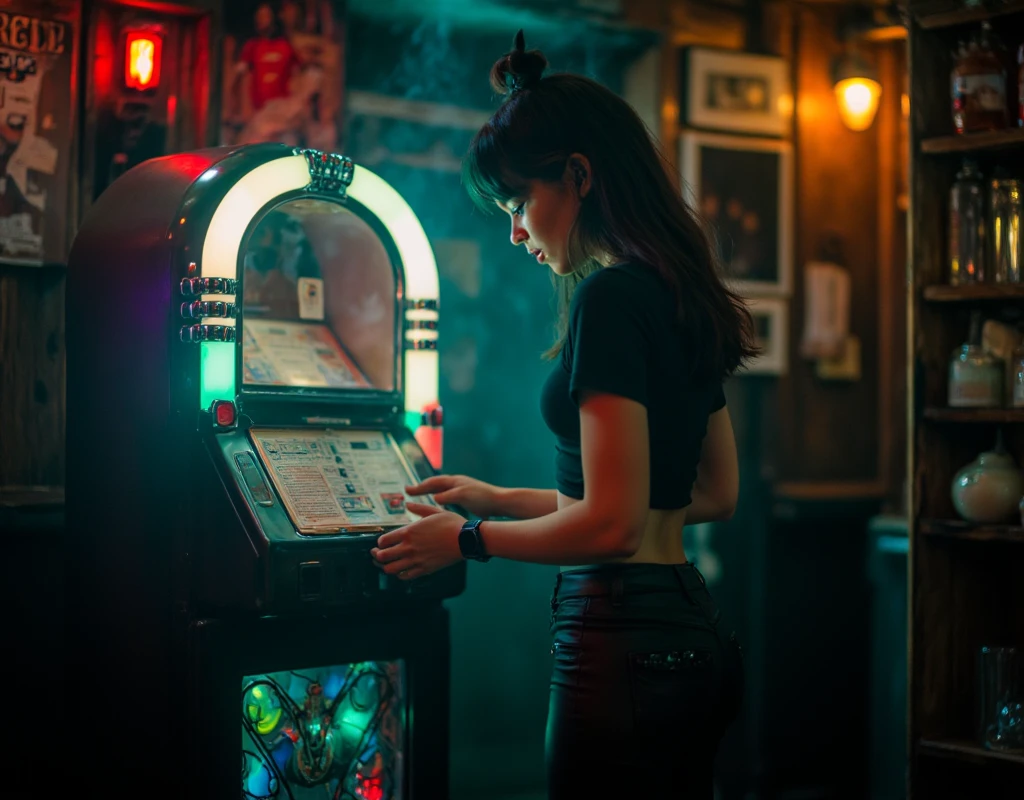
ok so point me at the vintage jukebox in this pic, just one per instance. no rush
(252, 383)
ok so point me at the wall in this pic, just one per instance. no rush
(841, 438)
(32, 406)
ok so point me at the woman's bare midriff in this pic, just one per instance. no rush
(662, 542)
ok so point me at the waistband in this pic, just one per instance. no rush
(618, 580)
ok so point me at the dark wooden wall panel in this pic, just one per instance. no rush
(31, 376)
(838, 431)
(833, 426)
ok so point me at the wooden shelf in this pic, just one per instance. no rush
(977, 415)
(974, 142)
(963, 16)
(965, 294)
(965, 576)
(829, 490)
(959, 529)
(966, 750)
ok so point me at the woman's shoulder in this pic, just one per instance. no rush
(625, 279)
(628, 285)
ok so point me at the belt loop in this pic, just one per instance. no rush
(617, 590)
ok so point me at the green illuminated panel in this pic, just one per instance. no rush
(217, 367)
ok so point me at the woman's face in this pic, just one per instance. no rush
(542, 219)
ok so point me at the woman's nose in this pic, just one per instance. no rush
(518, 234)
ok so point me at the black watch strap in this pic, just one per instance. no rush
(471, 544)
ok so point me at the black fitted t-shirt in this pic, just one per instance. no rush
(624, 339)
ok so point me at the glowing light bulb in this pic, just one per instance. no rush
(857, 99)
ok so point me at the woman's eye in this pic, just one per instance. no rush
(518, 210)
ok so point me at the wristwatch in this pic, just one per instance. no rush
(470, 542)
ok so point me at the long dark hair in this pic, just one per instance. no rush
(634, 210)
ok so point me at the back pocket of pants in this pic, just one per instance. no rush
(673, 692)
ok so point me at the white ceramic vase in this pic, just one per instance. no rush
(989, 489)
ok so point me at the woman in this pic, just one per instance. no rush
(644, 681)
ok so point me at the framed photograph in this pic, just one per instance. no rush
(725, 90)
(743, 188)
(282, 74)
(771, 323)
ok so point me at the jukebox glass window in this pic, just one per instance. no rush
(318, 300)
(325, 732)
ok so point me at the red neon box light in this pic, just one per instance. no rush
(142, 53)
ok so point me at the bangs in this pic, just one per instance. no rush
(485, 172)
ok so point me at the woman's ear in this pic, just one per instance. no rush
(578, 173)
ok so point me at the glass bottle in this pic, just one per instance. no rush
(1004, 242)
(978, 83)
(967, 226)
(975, 376)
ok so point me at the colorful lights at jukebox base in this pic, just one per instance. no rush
(335, 732)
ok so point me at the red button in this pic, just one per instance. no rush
(224, 413)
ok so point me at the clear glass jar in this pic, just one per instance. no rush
(975, 376)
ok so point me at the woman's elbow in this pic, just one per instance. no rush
(622, 538)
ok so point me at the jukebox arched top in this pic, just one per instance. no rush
(321, 275)
(255, 273)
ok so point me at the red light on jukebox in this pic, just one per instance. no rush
(142, 54)
(224, 413)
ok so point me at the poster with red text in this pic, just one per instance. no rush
(37, 74)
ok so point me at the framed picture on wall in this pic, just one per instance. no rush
(743, 189)
(771, 324)
(725, 90)
(283, 67)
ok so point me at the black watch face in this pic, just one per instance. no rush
(467, 544)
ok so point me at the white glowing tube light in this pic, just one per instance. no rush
(220, 259)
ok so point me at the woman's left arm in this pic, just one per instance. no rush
(608, 523)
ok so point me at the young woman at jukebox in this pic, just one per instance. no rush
(645, 680)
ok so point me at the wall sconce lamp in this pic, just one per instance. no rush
(854, 79)
(857, 90)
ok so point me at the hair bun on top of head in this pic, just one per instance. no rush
(518, 69)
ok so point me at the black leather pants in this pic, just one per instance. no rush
(643, 686)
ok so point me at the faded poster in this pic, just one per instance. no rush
(283, 73)
(37, 64)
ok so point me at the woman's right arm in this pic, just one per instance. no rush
(485, 500)
(527, 503)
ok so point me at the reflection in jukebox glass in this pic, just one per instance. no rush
(318, 305)
(326, 732)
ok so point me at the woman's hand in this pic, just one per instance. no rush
(478, 498)
(423, 546)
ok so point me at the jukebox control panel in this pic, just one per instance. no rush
(320, 497)
(337, 481)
